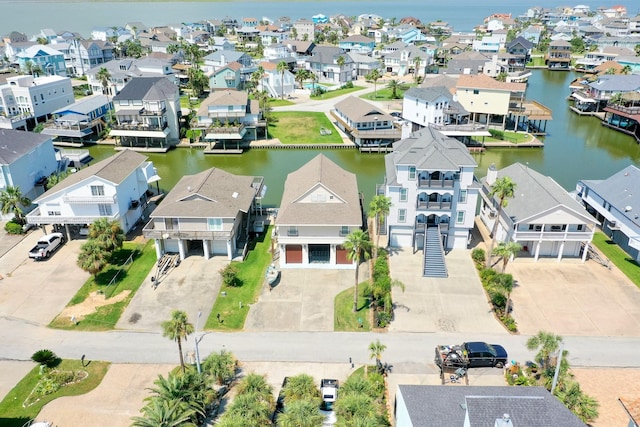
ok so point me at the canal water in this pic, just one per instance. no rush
(576, 148)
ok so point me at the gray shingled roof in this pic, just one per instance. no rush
(148, 89)
(328, 54)
(16, 143)
(617, 82)
(444, 406)
(85, 105)
(619, 190)
(113, 169)
(320, 171)
(223, 98)
(431, 94)
(359, 110)
(536, 193)
(427, 149)
(212, 193)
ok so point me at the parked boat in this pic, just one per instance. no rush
(272, 275)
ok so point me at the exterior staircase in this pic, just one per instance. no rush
(433, 264)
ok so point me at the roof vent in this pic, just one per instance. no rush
(627, 208)
(189, 188)
(235, 195)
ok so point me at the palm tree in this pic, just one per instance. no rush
(263, 102)
(301, 413)
(221, 366)
(301, 76)
(253, 407)
(357, 385)
(379, 208)
(582, 405)
(340, 61)
(189, 388)
(503, 188)
(256, 77)
(301, 387)
(374, 75)
(547, 344)
(375, 352)
(92, 257)
(355, 406)
(231, 420)
(104, 77)
(282, 67)
(416, 67)
(358, 246)
(13, 201)
(504, 283)
(395, 86)
(107, 234)
(255, 383)
(177, 328)
(164, 413)
(506, 250)
(198, 81)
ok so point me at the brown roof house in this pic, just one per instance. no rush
(206, 214)
(320, 207)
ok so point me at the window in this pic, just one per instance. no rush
(460, 217)
(344, 230)
(292, 231)
(402, 215)
(214, 224)
(580, 227)
(412, 173)
(97, 190)
(104, 209)
(54, 213)
(403, 194)
(476, 92)
(462, 197)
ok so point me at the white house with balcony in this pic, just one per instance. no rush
(26, 158)
(613, 202)
(430, 180)
(320, 207)
(206, 214)
(542, 216)
(116, 188)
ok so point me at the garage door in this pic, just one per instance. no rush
(294, 254)
(219, 247)
(341, 255)
(400, 240)
(171, 245)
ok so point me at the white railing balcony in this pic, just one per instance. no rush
(552, 235)
(89, 200)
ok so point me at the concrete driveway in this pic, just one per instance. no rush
(455, 304)
(191, 286)
(303, 300)
(571, 298)
(37, 291)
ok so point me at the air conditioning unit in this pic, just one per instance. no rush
(493, 214)
(613, 226)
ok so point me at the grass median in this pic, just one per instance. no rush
(344, 317)
(14, 414)
(232, 303)
(118, 282)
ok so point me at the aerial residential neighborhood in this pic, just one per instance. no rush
(255, 220)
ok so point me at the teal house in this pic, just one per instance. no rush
(49, 61)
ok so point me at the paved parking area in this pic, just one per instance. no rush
(303, 300)
(454, 304)
(191, 286)
(571, 298)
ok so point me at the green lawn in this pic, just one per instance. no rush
(130, 277)
(234, 306)
(185, 102)
(382, 93)
(334, 93)
(514, 137)
(344, 318)
(298, 127)
(618, 257)
(273, 102)
(12, 414)
(536, 61)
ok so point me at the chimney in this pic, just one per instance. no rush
(492, 174)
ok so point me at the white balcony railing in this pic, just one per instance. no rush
(89, 200)
(552, 235)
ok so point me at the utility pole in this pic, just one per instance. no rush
(197, 340)
(555, 375)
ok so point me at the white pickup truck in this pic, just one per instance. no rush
(46, 246)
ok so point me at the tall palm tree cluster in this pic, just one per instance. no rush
(301, 403)
(567, 390)
(361, 402)
(185, 398)
(252, 406)
(13, 201)
(105, 237)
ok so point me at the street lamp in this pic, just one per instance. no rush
(197, 341)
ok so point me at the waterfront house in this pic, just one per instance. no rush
(614, 203)
(459, 405)
(147, 114)
(430, 180)
(228, 115)
(488, 44)
(26, 97)
(407, 60)
(279, 84)
(248, 37)
(226, 77)
(320, 207)
(542, 217)
(558, 57)
(365, 124)
(364, 64)
(49, 60)
(323, 62)
(87, 54)
(81, 121)
(206, 214)
(357, 43)
(26, 159)
(304, 29)
(122, 71)
(116, 188)
(521, 49)
(466, 62)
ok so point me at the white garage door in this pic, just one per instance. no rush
(171, 245)
(400, 240)
(219, 247)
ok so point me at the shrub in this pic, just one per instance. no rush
(347, 85)
(487, 275)
(13, 228)
(383, 319)
(46, 358)
(510, 323)
(478, 255)
(380, 268)
(62, 377)
(230, 275)
(46, 385)
(497, 134)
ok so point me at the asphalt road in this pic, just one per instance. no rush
(22, 339)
